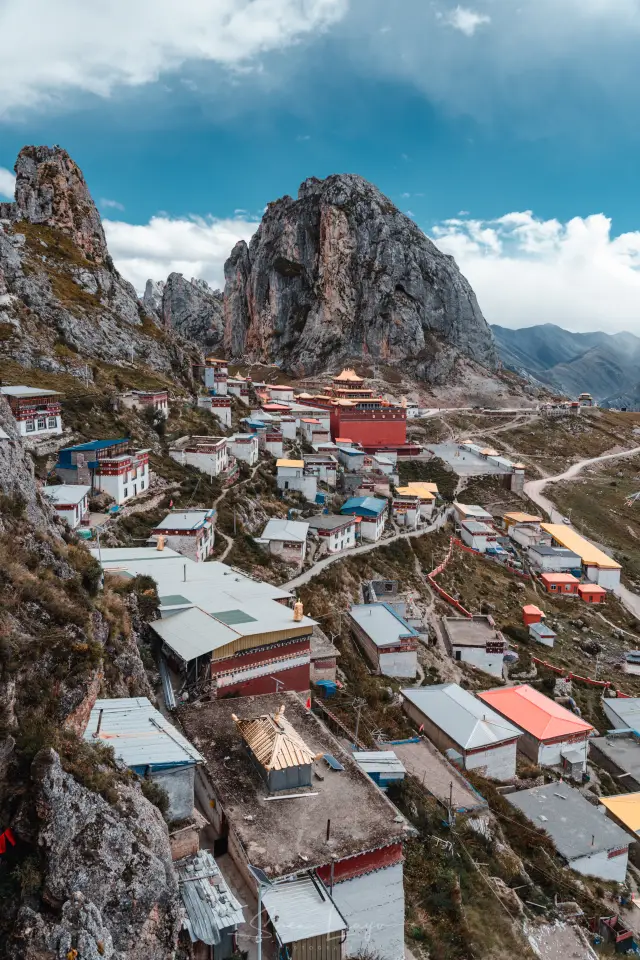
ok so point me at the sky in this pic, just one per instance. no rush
(507, 129)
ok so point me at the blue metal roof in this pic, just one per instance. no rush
(139, 734)
(364, 506)
(94, 445)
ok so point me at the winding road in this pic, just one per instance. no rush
(309, 574)
(533, 489)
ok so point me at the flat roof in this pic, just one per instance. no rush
(276, 529)
(588, 552)
(378, 761)
(139, 734)
(411, 491)
(66, 492)
(534, 713)
(287, 836)
(421, 486)
(330, 521)
(185, 520)
(289, 463)
(24, 392)
(592, 588)
(469, 631)
(577, 827)
(381, 623)
(474, 526)
(302, 908)
(522, 517)
(623, 749)
(545, 550)
(460, 715)
(626, 807)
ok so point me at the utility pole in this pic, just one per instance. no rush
(358, 704)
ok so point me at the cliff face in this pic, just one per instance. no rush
(341, 273)
(191, 308)
(62, 302)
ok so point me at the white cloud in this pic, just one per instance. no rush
(72, 45)
(526, 271)
(194, 246)
(111, 204)
(466, 21)
(7, 183)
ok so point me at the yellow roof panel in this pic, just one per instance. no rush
(522, 517)
(588, 553)
(289, 463)
(626, 808)
(411, 491)
(422, 486)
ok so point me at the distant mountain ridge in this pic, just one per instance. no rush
(603, 364)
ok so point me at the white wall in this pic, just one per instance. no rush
(372, 528)
(609, 579)
(210, 463)
(399, 664)
(499, 762)
(550, 755)
(478, 657)
(599, 865)
(306, 485)
(373, 906)
(49, 430)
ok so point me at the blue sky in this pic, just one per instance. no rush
(190, 117)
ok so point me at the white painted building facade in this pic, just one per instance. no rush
(335, 533)
(245, 447)
(38, 412)
(156, 400)
(210, 455)
(219, 407)
(70, 501)
(478, 536)
(291, 475)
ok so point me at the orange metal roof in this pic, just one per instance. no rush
(591, 588)
(559, 578)
(289, 463)
(531, 608)
(534, 713)
(522, 517)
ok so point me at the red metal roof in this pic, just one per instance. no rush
(534, 713)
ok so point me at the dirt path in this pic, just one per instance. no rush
(229, 540)
(533, 489)
(365, 548)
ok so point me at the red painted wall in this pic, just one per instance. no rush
(296, 679)
(369, 427)
(362, 863)
(259, 654)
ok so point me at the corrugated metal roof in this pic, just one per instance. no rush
(274, 742)
(22, 392)
(293, 530)
(193, 633)
(94, 445)
(460, 715)
(541, 630)
(534, 713)
(381, 623)
(303, 908)
(66, 493)
(139, 734)
(329, 521)
(211, 906)
(471, 510)
(378, 761)
(577, 828)
(365, 505)
(475, 527)
(626, 807)
(571, 540)
(185, 520)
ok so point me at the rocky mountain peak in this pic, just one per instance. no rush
(51, 190)
(341, 273)
(191, 307)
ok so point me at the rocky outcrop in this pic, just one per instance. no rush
(193, 309)
(62, 302)
(108, 878)
(51, 190)
(341, 273)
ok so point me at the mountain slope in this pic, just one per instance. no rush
(62, 302)
(600, 363)
(341, 273)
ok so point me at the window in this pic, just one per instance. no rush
(553, 586)
(30, 426)
(458, 654)
(141, 485)
(125, 492)
(42, 423)
(52, 423)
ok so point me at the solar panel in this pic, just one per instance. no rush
(233, 616)
(333, 763)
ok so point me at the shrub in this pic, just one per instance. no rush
(156, 795)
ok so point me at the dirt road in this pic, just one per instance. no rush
(533, 489)
(365, 548)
